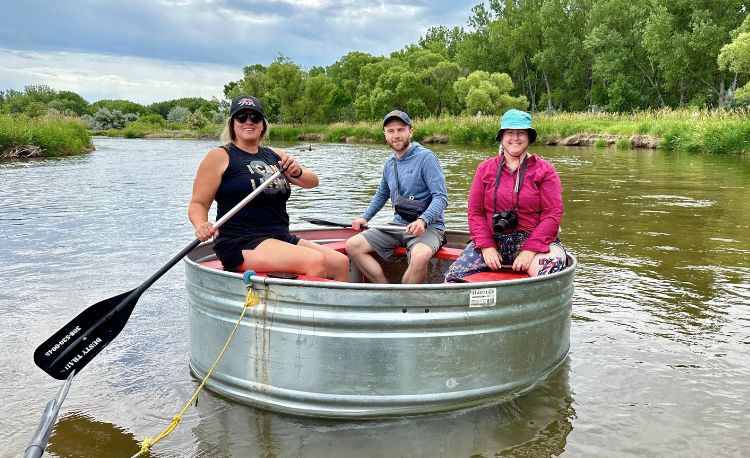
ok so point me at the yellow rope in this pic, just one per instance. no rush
(251, 299)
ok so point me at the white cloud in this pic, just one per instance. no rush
(97, 76)
(143, 50)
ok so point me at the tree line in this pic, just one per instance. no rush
(541, 55)
(37, 100)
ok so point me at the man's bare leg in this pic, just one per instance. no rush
(419, 258)
(359, 249)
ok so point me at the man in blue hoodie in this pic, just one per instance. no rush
(414, 173)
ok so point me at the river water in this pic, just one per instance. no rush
(660, 343)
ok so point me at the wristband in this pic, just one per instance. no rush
(297, 175)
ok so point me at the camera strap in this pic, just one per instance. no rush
(519, 180)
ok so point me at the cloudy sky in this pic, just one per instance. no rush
(152, 50)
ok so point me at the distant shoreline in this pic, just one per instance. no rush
(716, 132)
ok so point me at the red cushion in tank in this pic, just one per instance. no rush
(495, 276)
(216, 264)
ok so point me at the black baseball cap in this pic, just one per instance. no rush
(246, 102)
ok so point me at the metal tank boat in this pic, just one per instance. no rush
(324, 348)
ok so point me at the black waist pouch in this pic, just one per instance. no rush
(409, 208)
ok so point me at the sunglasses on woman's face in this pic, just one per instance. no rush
(255, 117)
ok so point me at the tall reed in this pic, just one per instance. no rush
(54, 135)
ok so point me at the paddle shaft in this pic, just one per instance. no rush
(322, 222)
(44, 430)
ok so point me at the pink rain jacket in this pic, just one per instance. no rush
(540, 206)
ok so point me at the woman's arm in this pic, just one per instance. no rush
(550, 193)
(206, 183)
(480, 231)
(297, 173)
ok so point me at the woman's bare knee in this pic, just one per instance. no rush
(314, 264)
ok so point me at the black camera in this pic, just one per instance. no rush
(505, 220)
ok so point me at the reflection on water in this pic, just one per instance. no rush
(529, 425)
(660, 341)
(77, 435)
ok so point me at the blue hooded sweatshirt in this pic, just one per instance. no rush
(419, 175)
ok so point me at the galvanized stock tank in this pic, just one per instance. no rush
(358, 350)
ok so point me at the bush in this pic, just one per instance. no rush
(178, 115)
(154, 119)
(105, 119)
(623, 143)
(197, 120)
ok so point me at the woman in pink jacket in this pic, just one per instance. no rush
(515, 207)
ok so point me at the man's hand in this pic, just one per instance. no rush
(417, 227)
(358, 223)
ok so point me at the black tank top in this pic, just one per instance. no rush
(266, 213)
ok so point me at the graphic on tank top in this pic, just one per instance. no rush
(261, 171)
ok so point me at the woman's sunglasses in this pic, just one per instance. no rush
(254, 116)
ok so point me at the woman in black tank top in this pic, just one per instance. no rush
(257, 237)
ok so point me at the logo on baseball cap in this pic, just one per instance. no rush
(246, 102)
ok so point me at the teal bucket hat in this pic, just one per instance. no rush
(516, 119)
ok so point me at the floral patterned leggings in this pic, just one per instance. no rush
(509, 246)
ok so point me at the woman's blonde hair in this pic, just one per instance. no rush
(228, 135)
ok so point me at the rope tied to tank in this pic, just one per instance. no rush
(251, 299)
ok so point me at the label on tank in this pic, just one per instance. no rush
(483, 297)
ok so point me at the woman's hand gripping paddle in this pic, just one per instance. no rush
(79, 341)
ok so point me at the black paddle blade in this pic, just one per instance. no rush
(73, 346)
(322, 222)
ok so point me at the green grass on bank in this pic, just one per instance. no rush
(718, 132)
(55, 135)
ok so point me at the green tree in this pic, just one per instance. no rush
(317, 99)
(253, 83)
(345, 75)
(563, 64)
(679, 35)
(442, 40)
(487, 93)
(67, 101)
(441, 78)
(123, 106)
(191, 103)
(478, 49)
(621, 64)
(286, 85)
(736, 57)
(413, 95)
